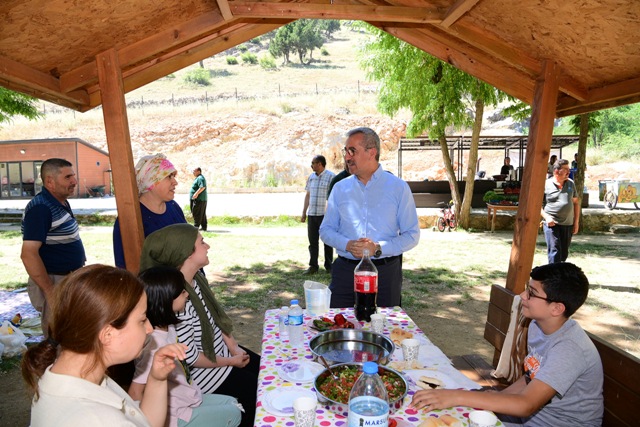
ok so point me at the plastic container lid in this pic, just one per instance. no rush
(294, 302)
(370, 368)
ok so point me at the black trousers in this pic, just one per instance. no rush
(389, 283)
(242, 383)
(313, 233)
(558, 240)
(199, 212)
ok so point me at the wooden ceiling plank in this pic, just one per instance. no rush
(223, 5)
(469, 60)
(142, 50)
(517, 58)
(376, 13)
(456, 11)
(174, 61)
(20, 75)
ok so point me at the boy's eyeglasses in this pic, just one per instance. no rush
(530, 294)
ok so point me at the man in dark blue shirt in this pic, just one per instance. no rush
(51, 245)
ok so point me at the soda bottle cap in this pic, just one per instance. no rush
(370, 368)
(294, 302)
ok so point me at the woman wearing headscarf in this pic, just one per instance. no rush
(156, 180)
(217, 362)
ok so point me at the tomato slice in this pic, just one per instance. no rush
(393, 422)
(339, 319)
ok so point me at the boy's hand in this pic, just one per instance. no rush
(164, 360)
(433, 399)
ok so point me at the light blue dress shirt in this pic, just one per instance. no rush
(383, 210)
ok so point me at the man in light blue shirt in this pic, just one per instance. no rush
(372, 210)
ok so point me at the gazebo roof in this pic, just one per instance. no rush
(49, 48)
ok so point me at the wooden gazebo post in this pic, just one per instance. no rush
(535, 172)
(116, 123)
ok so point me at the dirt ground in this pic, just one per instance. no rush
(457, 330)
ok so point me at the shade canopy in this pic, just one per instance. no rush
(48, 48)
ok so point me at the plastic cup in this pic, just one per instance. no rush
(482, 419)
(304, 411)
(377, 323)
(410, 349)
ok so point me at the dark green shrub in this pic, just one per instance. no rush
(198, 76)
(249, 58)
(232, 60)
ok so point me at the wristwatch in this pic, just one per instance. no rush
(378, 251)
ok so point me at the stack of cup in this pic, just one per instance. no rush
(304, 411)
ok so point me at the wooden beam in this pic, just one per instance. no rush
(185, 56)
(528, 217)
(621, 93)
(468, 59)
(375, 13)
(116, 125)
(20, 75)
(456, 11)
(223, 5)
(144, 49)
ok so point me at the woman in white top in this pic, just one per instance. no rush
(99, 320)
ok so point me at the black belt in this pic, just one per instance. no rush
(376, 261)
(60, 274)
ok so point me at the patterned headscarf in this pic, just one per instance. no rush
(150, 170)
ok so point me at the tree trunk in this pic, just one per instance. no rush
(451, 175)
(464, 216)
(582, 159)
(201, 64)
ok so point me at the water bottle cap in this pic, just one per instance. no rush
(284, 307)
(370, 368)
(294, 302)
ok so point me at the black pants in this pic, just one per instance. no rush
(313, 233)
(242, 383)
(389, 283)
(558, 240)
(199, 212)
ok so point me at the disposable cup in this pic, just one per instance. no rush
(304, 411)
(482, 419)
(377, 323)
(410, 349)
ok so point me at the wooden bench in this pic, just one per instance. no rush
(621, 370)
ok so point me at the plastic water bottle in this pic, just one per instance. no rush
(295, 324)
(368, 401)
(283, 322)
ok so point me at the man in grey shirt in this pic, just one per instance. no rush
(561, 212)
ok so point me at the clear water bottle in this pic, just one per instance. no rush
(368, 401)
(295, 324)
(283, 322)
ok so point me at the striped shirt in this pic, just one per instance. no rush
(47, 220)
(317, 186)
(190, 334)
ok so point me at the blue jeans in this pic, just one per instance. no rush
(558, 240)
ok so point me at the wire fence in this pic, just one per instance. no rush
(206, 97)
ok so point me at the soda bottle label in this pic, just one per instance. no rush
(366, 284)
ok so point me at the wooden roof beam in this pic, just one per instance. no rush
(376, 13)
(223, 5)
(129, 55)
(456, 11)
(187, 55)
(621, 93)
(469, 59)
(21, 76)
